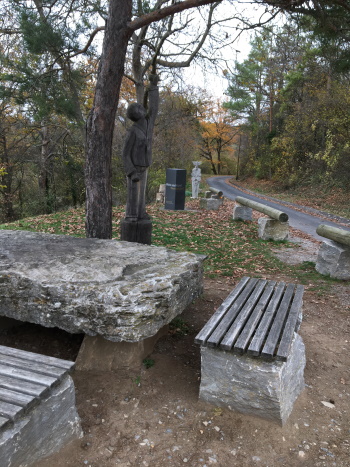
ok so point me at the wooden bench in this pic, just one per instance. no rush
(37, 406)
(254, 332)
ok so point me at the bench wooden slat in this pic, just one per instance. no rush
(269, 348)
(10, 411)
(27, 375)
(35, 357)
(203, 335)
(291, 325)
(215, 338)
(18, 398)
(25, 387)
(256, 344)
(249, 329)
(36, 367)
(238, 324)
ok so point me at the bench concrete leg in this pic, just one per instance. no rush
(211, 204)
(243, 213)
(99, 354)
(271, 229)
(251, 385)
(44, 430)
(334, 259)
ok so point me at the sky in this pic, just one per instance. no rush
(215, 81)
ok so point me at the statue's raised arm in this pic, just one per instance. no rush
(153, 102)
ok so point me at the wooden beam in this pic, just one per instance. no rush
(271, 212)
(333, 233)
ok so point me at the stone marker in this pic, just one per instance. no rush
(160, 196)
(175, 189)
(120, 291)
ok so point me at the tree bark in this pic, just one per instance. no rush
(100, 124)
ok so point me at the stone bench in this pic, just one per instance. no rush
(252, 357)
(333, 258)
(274, 227)
(212, 201)
(37, 406)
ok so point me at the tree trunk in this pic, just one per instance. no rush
(100, 125)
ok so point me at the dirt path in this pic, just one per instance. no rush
(153, 417)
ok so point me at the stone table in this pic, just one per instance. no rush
(110, 290)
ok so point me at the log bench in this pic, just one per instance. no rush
(333, 257)
(252, 359)
(274, 227)
(37, 406)
(212, 201)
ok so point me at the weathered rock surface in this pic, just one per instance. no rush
(44, 430)
(119, 290)
(251, 385)
(211, 204)
(243, 213)
(271, 229)
(334, 259)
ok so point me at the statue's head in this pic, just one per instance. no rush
(135, 112)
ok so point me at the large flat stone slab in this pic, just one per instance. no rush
(121, 291)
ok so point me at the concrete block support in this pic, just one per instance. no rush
(334, 259)
(211, 204)
(271, 229)
(43, 430)
(243, 213)
(251, 385)
(99, 354)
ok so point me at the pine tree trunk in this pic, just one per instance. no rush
(100, 125)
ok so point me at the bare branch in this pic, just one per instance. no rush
(157, 15)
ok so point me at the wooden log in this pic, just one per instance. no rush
(271, 212)
(217, 192)
(334, 233)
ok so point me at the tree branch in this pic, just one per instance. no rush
(157, 15)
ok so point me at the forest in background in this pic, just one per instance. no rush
(285, 116)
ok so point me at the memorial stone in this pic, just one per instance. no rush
(175, 189)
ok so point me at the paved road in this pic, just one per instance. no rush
(305, 222)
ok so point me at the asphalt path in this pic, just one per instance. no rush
(305, 221)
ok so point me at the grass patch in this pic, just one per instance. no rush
(233, 249)
(178, 327)
(148, 363)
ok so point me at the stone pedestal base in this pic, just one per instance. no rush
(334, 259)
(211, 204)
(251, 385)
(243, 213)
(271, 229)
(136, 231)
(44, 430)
(99, 354)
